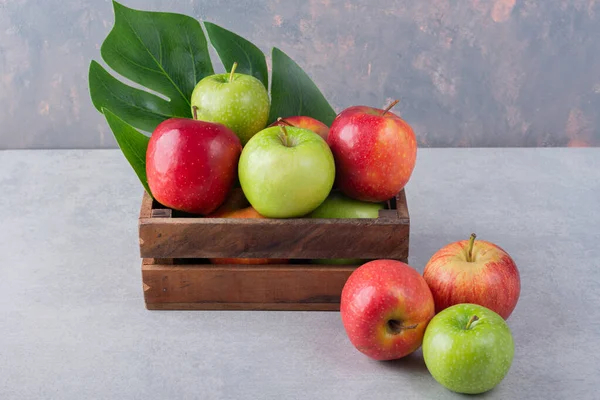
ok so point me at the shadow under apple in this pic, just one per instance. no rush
(413, 362)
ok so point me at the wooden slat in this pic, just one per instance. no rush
(388, 214)
(246, 306)
(276, 238)
(146, 209)
(384, 237)
(162, 213)
(402, 207)
(265, 284)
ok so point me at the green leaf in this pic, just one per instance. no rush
(133, 144)
(155, 60)
(294, 93)
(164, 52)
(140, 109)
(234, 48)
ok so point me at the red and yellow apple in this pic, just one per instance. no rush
(302, 121)
(375, 152)
(385, 307)
(247, 212)
(191, 165)
(477, 272)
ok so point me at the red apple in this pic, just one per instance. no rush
(385, 308)
(477, 272)
(191, 165)
(247, 212)
(301, 121)
(375, 152)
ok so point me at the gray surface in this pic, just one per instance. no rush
(73, 322)
(469, 73)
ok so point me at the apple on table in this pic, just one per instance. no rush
(468, 348)
(385, 308)
(375, 152)
(286, 172)
(474, 271)
(238, 101)
(191, 165)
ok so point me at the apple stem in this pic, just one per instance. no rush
(395, 326)
(470, 248)
(195, 111)
(471, 320)
(285, 135)
(389, 107)
(232, 71)
(279, 119)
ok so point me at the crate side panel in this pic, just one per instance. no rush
(243, 284)
(303, 239)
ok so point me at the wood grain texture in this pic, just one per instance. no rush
(246, 306)
(300, 238)
(175, 248)
(207, 286)
(146, 207)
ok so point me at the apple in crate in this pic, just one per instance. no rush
(301, 121)
(191, 165)
(247, 212)
(385, 307)
(471, 271)
(338, 205)
(468, 348)
(238, 101)
(286, 172)
(375, 152)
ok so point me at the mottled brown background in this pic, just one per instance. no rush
(468, 73)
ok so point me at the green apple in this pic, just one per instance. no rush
(338, 205)
(238, 101)
(468, 348)
(286, 172)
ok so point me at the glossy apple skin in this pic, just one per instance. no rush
(381, 291)
(247, 212)
(283, 181)
(468, 360)
(492, 280)
(338, 205)
(191, 165)
(302, 121)
(374, 154)
(242, 104)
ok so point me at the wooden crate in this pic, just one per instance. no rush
(175, 249)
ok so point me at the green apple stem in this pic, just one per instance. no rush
(279, 119)
(284, 137)
(471, 320)
(195, 111)
(470, 248)
(389, 107)
(232, 72)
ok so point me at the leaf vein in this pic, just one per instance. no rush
(131, 61)
(114, 95)
(156, 61)
(187, 37)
